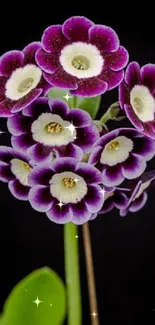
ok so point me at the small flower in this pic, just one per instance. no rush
(122, 154)
(21, 80)
(137, 97)
(139, 196)
(67, 190)
(48, 126)
(85, 58)
(14, 170)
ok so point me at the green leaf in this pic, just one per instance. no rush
(20, 308)
(91, 105)
(60, 93)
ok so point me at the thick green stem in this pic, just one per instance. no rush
(72, 274)
(74, 101)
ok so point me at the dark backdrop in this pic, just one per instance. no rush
(123, 248)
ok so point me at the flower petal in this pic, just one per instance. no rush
(40, 175)
(61, 79)
(147, 73)
(18, 190)
(124, 94)
(116, 60)
(40, 198)
(120, 200)
(40, 153)
(139, 203)
(79, 118)
(76, 28)
(53, 39)
(80, 213)
(26, 100)
(144, 147)
(86, 137)
(90, 87)
(71, 150)
(112, 176)
(10, 61)
(132, 75)
(90, 174)
(60, 215)
(104, 38)
(112, 78)
(22, 142)
(133, 118)
(6, 153)
(48, 62)
(39, 106)
(107, 206)
(18, 124)
(59, 107)
(94, 198)
(5, 173)
(30, 51)
(95, 155)
(6, 107)
(133, 167)
(62, 164)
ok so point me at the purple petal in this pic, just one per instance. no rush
(107, 206)
(112, 78)
(62, 164)
(79, 118)
(95, 155)
(44, 85)
(133, 118)
(10, 61)
(90, 174)
(40, 175)
(59, 107)
(104, 139)
(22, 142)
(94, 198)
(132, 75)
(120, 200)
(133, 167)
(6, 154)
(39, 106)
(40, 153)
(104, 38)
(30, 51)
(93, 216)
(145, 147)
(112, 176)
(90, 87)
(86, 137)
(53, 39)
(40, 198)
(18, 190)
(60, 215)
(5, 173)
(139, 203)
(48, 62)
(147, 73)
(71, 150)
(26, 100)
(61, 79)
(18, 124)
(124, 94)
(116, 60)
(3, 81)
(149, 129)
(80, 213)
(76, 29)
(6, 107)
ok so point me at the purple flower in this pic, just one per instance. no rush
(21, 80)
(139, 196)
(82, 57)
(137, 97)
(122, 154)
(67, 190)
(14, 170)
(48, 127)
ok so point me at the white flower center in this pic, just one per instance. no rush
(50, 129)
(68, 187)
(116, 151)
(81, 60)
(21, 170)
(143, 187)
(22, 81)
(143, 103)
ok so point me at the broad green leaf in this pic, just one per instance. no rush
(45, 285)
(61, 93)
(91, 105)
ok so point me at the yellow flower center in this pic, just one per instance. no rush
(80, 62)
(114, 145)
(53, 127)
(26, 165)
(25, 84)
(69, 182)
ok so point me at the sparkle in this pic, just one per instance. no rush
(76, 236)
(76, 180)
(37, 302)
(51, 305)
(67, 97)
(71, 127)
(60, 204)
(94, 314)
(102, 192)
(1, 132)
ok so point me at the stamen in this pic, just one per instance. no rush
(69, 182)
(53, 127)
(80, 63)
(113, 145)
(25, 84)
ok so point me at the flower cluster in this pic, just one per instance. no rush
(63, 162)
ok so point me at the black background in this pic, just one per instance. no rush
(123, 248)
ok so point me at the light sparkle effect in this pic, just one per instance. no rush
(1, 132)
(94, 314)
(71, 127)
(76, 236)
(102, 192)
(37, 302)
(67, 97)
(60, 204)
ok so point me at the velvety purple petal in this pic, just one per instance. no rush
(120, 200)
(104, 139)
(94, 198)
(18, 124)
(3, 81)
(26, 100)
(40, 153)
(5, 173)
(22, 142)
(40, 175)
(76, 28)
(48, 62)
(71, 150)
(39, 106)
(145, 147)
(147, 73)
(124, 94)
(95, 155)
(86, 137)
(40, 198)
(62, 164)
(6, 153)
(112, 176)
(90, 87)
(18, 190)
(112, 78)
(133, 167)
(132, 75)
(149, 129)
(90, 174)
(139, 203)
(61, 79)
(79, 118)
(133, 118)
(53, 39)
(104, 38)
(93, 216)
(10, 61)
(116, 60)
(44, 85)
(30, 51)
(148, 176)
(6, 107)
(60, 215)
(59, 107)
(107, 206)
(80, 213)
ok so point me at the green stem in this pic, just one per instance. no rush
(111, 113)
(72, 274)
(74, 101)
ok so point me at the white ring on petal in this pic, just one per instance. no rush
(112, 157)
(52, 139)
(93, 60)
(27, 78)
(67, 194)
(21, 170)
(143, 103)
